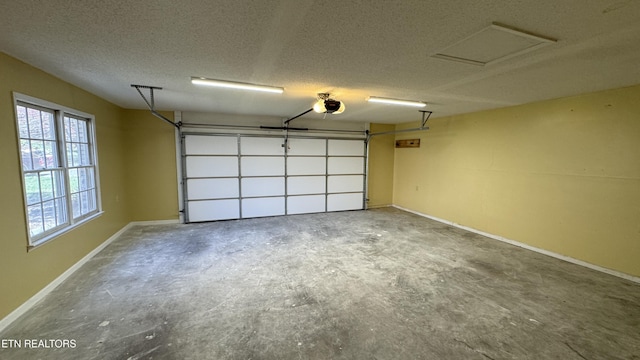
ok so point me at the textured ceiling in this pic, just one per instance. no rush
(351, 49)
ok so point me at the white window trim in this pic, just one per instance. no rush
(59, 109)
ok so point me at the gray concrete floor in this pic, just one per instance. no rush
(377, 284)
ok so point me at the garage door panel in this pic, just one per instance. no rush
(305, 204)
(262, 166)
(212, 188)
(345, 183)
(340, 202)
(346, 165)
(299, 185)
(262, 186)
(259, 207)
(210, 210)
(211, 166)
(244, 176)
(261, 146)
(211, 145)
(346, 148)
(306, 165)
(307, 147)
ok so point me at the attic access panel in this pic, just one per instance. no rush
(493, 44)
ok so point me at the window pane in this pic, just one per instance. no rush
(46, 185)
(34, 213)
(32, 187)
(89, 172)
(73, 124)
(73, 180)
(75, 205)
(51, 155)
(92, 201)
(69, 155)
(82, 179)
(61, 211)
(37, 154)
(80, 154)
(23, 124)
(84, 202)
(84, 154)
(49, 215)
(75, 152)
(67, 129)
(48, 126)
(82, 131)
(91, 182)
(35, 123)
(25, 153)
(58, 183)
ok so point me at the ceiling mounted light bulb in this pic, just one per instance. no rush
(319, 106)
(375, 99)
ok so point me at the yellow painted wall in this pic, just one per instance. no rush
(150, 166)
(380, 175)
(25, 273)
(561, 175)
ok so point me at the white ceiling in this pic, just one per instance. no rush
(351, 49)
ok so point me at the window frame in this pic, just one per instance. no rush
(59, 112)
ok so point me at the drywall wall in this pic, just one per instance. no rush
(380, 171)
(561, 175)
(150, 165)
(25, 273)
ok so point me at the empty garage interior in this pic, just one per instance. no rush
(148, 216)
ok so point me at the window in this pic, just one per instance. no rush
(57, 154)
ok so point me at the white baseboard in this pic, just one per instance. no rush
(22, 309)
(528, 247)
(155, 222)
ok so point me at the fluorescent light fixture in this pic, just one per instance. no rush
(375, 99)
(235, 85)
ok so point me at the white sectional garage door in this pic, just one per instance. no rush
(244, 176)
